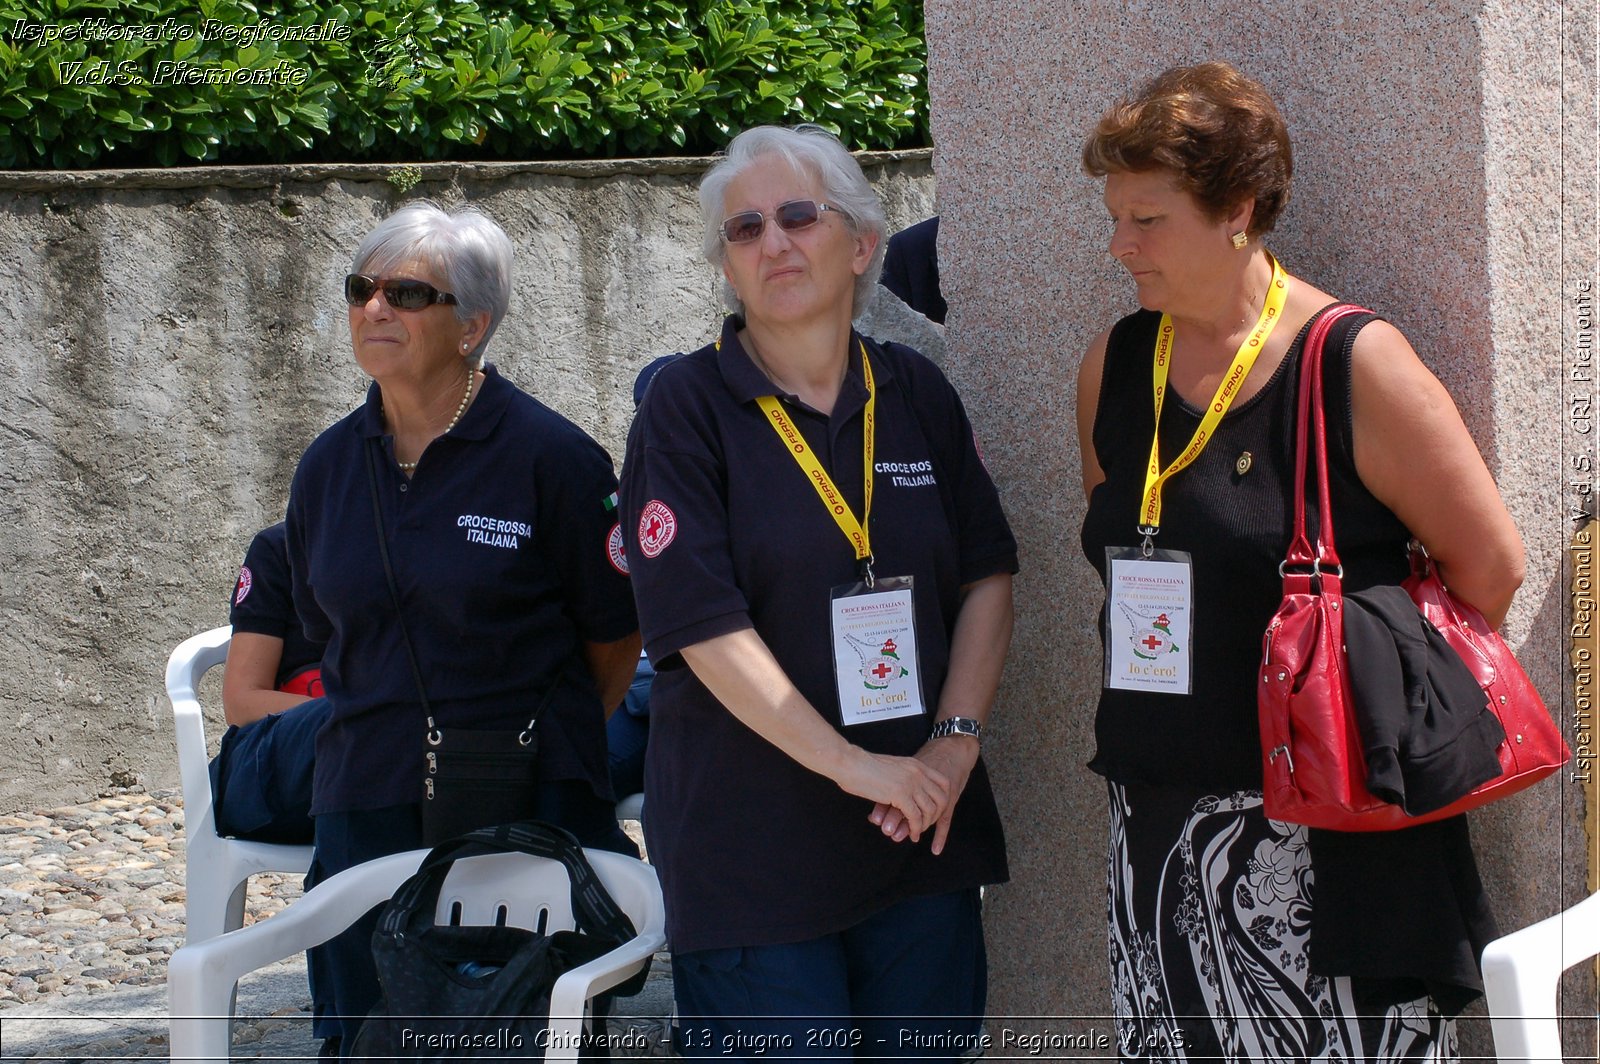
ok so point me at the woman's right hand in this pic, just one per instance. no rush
(739, 670)
(907, 785)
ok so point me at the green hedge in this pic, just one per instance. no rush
(87, 83)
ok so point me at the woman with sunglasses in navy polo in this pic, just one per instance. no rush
(497, 518)
(823, 574)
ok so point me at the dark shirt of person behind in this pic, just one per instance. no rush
(911, 269)
(271, 697)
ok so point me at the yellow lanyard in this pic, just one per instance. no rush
(855, 531)
(1155, 477)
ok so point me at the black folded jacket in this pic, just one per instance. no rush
(1404, 911)
(1426, 727)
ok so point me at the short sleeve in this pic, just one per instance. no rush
(675, 515)
(262, 601)
(581, 539)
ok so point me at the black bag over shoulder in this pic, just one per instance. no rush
(466, 991)
(471, 779)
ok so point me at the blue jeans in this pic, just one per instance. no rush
(261, 776)
(910, 981)
(628, 732)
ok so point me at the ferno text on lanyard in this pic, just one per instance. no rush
(1155, 477)
(855, 531)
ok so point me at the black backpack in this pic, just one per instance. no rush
(463, 991)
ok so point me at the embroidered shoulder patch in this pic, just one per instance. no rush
(614, 549)
(657, 528)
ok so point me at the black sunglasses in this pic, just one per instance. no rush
(402, 294)
(791, 217)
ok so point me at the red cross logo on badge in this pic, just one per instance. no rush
(619, 560)
(657, 527)
(246, 581)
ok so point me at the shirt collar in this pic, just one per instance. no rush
(747, 383)
(493, 395)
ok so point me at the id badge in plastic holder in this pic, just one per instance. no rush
(876, 669)
(1149, 620)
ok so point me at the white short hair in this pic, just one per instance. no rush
(464, 247)
(810, 151)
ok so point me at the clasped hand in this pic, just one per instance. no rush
(931, 784)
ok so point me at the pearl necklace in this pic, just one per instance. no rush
(466, 397)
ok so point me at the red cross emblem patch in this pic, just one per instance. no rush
(657, 528)
(614, 549)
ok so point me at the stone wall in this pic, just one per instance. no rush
(1445, 173)
(174, 339)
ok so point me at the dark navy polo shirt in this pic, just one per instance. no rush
(506, 552)
(261, 602)
(724, 533)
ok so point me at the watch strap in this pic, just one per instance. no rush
(957, 726)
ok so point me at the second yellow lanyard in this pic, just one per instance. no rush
(1232, 381)
(855, 531)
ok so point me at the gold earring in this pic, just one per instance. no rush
(1239, 240)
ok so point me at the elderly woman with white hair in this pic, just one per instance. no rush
(455, 543)
(823, 574)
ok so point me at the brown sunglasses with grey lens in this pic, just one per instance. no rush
(400, 293)
(791, 217)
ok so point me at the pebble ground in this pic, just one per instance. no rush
(91, 901)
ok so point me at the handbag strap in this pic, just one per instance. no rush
(413, 905)
(394, 590)
(1311, 433)
(434, 736)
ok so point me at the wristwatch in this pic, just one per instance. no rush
(957, 726)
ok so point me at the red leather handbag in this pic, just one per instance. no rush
(1314, 771)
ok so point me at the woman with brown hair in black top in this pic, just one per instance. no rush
(1220, 946)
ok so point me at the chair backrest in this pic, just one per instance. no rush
(523, 891)
(189, 662)
(1521, 975)
(507, 888)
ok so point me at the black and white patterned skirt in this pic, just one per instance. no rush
(1209, 905)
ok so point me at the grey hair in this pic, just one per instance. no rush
(810, 151)
(465, 248)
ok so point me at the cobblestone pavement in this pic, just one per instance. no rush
(91, 908)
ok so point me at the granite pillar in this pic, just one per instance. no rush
(1445, 174)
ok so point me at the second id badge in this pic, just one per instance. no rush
(875, 662)
(1149, 620)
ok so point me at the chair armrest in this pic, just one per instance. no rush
(570, 995)
(201, 976)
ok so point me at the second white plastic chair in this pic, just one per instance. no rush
(217, 869)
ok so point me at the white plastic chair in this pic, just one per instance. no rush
(216, 869)
(515, 887)
(1521, 972)
(631, 807)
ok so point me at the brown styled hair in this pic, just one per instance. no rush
(1217, 131)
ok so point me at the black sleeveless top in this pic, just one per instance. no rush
(1237, 527)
